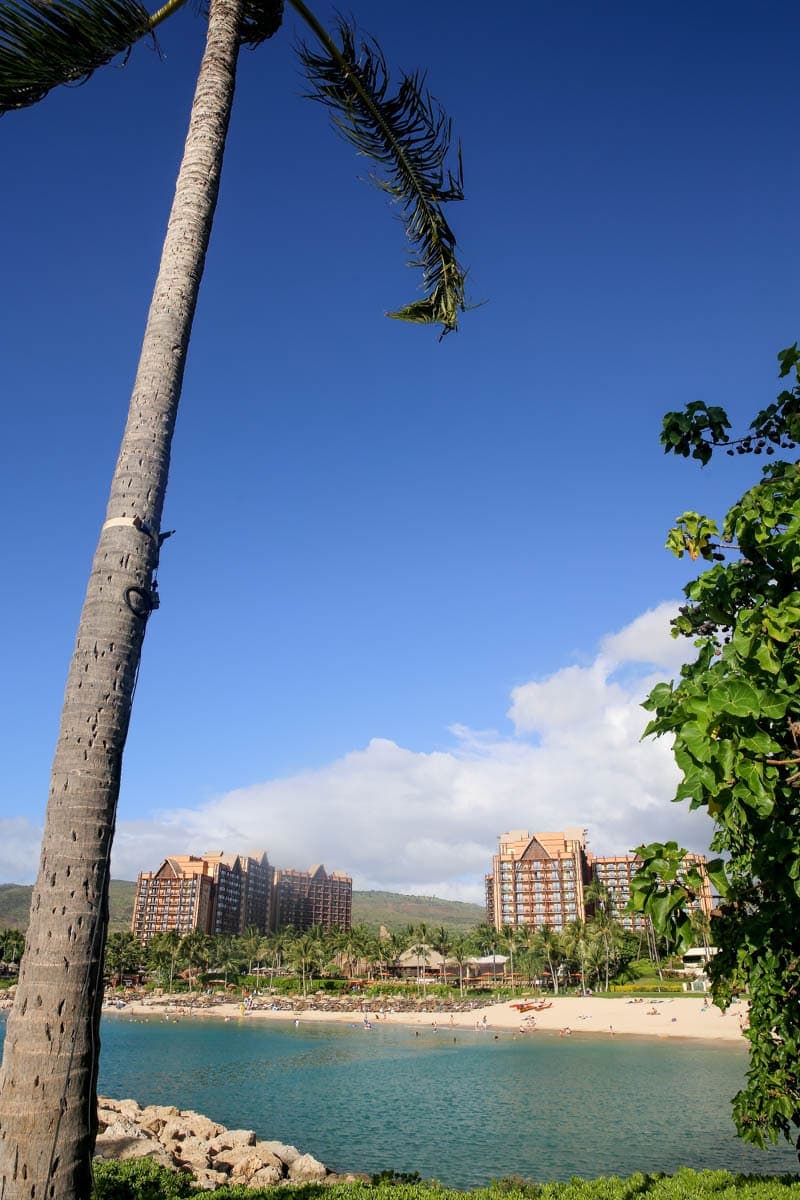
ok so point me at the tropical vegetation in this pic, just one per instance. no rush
(597, 954)
(734, 717)
(143, 1180)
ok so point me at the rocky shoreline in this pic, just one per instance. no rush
(187, 1141)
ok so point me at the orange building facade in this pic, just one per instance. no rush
(541, 879)
(220, 893)
(306, 898)
(215, 893)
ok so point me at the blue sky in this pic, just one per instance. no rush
(404, 609)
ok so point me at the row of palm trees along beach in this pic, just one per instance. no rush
(598, 954)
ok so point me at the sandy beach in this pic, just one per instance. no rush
(678, 1017)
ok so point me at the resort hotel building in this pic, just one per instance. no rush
(541, 879)
(229, 893)
(306, 898)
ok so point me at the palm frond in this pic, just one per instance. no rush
(408, 136)
(262, 19)
(47, 42)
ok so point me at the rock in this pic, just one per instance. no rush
(244, 1170)
(191, 1152)
(231, 1138)
(207, 1179)
(209, 1153)
(201, 1127)
(155, 1116)
(126, 1148)
(172, 1130)
(126, 1108)
(266, 1177)
(228, 1160)
(307, 1169)
(287, 1154)
(121, 1128)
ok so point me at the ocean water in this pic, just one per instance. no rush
(463, 1111)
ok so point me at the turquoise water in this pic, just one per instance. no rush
(464, 1112)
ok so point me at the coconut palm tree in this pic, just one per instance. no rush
(394, 945)
(197, 950)
(48, 1081)
(460, 950)
(124, 953)
(13, 945)
(226, 956)
(306, 952)
(602, 924)
(274, 946)
(350, 947)
(162, 953)
(486, 939)
(443, 943)
(576, 946)
(418, 935)
(509, 940)
(548, 943)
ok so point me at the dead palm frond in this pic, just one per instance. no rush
(262, 19)
(408, 135)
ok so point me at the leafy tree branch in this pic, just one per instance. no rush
(734, 715)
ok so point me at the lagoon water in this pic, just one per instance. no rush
(465, 1112)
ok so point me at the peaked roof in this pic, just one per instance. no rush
(534, 851)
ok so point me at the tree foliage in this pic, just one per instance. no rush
(734, 715)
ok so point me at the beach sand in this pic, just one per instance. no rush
(681, 1017)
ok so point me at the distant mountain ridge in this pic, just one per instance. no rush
(373, 909)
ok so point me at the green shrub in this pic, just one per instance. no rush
(395, 1177)
(646, 987)
(141, 1179)
(138, 1179)
(287, 985)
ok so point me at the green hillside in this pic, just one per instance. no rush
(15, 901)
(370, 908)
(120, 904)
(396, 911)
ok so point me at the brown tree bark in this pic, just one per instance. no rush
(48, 1119)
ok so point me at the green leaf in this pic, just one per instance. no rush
(767, 659)
(726, 757)
(715, 869)
(696, 740)
(659, 697)
(735, 697)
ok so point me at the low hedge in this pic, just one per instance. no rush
(141, 1179)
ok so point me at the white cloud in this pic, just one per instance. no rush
(19, 847)
(404, 820)
(648, 640)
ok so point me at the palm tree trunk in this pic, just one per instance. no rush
(48, 1119)
(553, 976)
